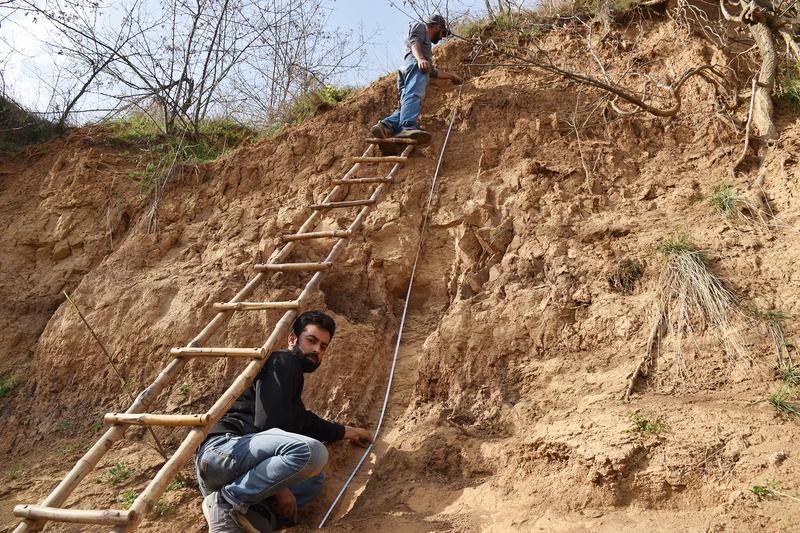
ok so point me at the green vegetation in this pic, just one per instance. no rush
(63, 425)
(765, 491)
(790, 374)
(9, 382)
(178, 483)
(118, 473)
(185, 388)
(15, 471)
(160, 155)
(307, 105)
(70, 449)
(679, 245)
(161, 508)
(642, 424)
(724, 198)
(780, 401)
(624, 277)
(127, 497)
(20, 128)
(770, 316)
(788, 86)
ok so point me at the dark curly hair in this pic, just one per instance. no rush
(318, 318)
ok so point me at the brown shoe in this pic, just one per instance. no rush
(380, 131)
(421, 136)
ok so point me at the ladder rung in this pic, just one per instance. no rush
(348, 203)
(390, 140)
(338, 233)
(147, 419)
(362, 180)
(381, 159)
(256, 306)
(254, 353)
(294, 267)
(109, 517)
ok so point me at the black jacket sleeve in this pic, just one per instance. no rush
(321, 429)
(278, 403)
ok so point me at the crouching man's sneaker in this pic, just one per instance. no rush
(421, 136)
(380, 131)
(220, 515)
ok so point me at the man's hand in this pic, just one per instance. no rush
(456, 79)
(358, 436)
(285, 504)
(424, 65)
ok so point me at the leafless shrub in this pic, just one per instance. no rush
(187, 59)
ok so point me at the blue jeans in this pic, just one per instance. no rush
(249, 469)
(411, 84)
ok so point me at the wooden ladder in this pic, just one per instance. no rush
(50, 509)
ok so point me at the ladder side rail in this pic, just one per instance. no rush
(92, 457)
(144, 503)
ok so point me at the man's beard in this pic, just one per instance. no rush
(309, 361)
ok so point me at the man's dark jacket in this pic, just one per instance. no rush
(273, 401)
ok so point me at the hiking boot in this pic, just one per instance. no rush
(220, 515)
(261, 518)
(421, 136)
(380, 131)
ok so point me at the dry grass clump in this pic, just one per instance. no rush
(774, 321)
(625, 275)
(725, 199)
(689, 296)
(754, 210)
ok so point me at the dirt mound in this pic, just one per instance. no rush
(508, 412)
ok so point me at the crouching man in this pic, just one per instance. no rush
(263, 460)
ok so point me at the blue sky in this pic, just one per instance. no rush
(389, 25)
(383, 24)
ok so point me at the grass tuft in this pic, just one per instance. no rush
(162, 508)
(642, 424)
(306, 106)
(9, 382)
(178, 483)
(118, 474)
(790, 374)
(689, 296)
(774, 321)
(788, 86)
(725, 199)
(780, 401)
(680, 244)
(16, 471)
(127, 497)
(770, 316)
(764, 491)
(624, 277)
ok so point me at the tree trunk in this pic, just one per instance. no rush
(762, 109)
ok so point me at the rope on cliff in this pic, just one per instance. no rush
(403, 317)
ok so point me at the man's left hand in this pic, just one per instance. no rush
(358, 436)
(456, 79)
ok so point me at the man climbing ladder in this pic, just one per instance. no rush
(412, 80)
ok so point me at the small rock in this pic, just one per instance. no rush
(61, 250)
(779, 458)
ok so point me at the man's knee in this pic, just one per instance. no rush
(318, 457)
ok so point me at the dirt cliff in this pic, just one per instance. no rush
(508, 412)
